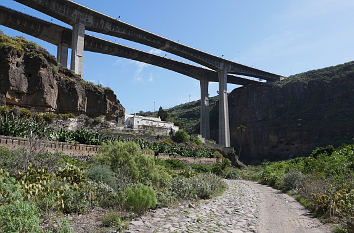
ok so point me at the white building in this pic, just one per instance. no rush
(154, 124)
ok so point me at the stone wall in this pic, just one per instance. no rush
(70, 149)
(80, 150)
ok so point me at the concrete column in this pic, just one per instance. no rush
(62, 54)
(224, 126)
(77, 48)
(204, 110)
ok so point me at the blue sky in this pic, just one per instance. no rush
(283, 37)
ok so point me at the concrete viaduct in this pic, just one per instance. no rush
(82, 18)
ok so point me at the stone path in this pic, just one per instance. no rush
(234, 211)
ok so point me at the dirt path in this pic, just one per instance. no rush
(280, 213)
(244, 207)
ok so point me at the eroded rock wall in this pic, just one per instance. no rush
(293, 117)
(33, 79)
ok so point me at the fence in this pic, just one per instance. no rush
(80, 150)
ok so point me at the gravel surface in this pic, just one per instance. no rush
(244, 207)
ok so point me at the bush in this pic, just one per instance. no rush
(208, 185)
(202, 186)
(181, 136)
(77, 199)
(171, 163)
(26, 113)
(49, 116)
(127, 161)
(103, 174)
(200, 168)
(105, 195)
(231, 173)
(13, 125)
(20, 216)
(112, 219)
(218, 168)
(140, 198)
(66, 116)
(4, 109)
(197, 141)
(292, 180)
(71, 174)
(10, 189)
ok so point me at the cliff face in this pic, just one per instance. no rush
(292, 117)
(30, 77)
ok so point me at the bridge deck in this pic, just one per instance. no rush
(72, 13)
(56, 34)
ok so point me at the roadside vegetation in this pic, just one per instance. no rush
(20, 122)
(39, 190)
(323, 182)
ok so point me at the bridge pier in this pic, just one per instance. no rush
(204, 109)
(77, 48)
(224, 125)
(62, 54)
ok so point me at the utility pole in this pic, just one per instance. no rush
(189, 98)
(154, 105)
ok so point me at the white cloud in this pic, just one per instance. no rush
(140, 68)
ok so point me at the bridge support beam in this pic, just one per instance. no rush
(62, 54)
(77, 48)
(224, 126)
(204, 110)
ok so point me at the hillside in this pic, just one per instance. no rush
(186, 115)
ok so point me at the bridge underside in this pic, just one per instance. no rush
(82, 18)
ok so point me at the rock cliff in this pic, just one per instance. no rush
(30, 77)
(292, 117)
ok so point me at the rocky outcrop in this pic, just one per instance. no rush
(292, 117)
(30, 77)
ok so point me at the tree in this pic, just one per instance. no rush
(162, 114)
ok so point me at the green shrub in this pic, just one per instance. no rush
(201, 168)
(49, 116)
(127, 161)
(97, 120)
(4, 109)
(208, 185)
(112, 219)
(38, 117)
(13, 125)
(171, 163)
(292, 180)
(197, 141)
(181, 136)
(77, 199)
(103, 174)
(139, 198)
(106, 196)
(19, 216)
(231, 173)
(47, 202)
(71, 174)
(10, 189)
(66, 116)
(202, 186)
(26, 113)
(218, 168)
